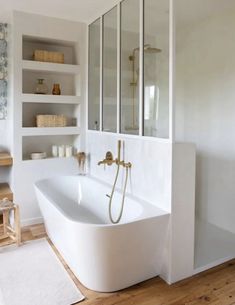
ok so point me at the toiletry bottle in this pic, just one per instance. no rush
(56, 89)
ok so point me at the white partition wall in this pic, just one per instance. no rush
(205, 115)
(163, 172)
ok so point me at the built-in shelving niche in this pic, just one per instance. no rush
(30, 44)
(67, 81)
(66, 74)
(44, 144)
(31, 110)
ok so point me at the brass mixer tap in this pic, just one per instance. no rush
(109, 160)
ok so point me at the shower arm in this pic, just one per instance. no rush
(147, 48)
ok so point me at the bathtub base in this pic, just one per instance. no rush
(107, 258)
(104, 265)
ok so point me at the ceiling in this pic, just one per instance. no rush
(76, 10)
(188, 11)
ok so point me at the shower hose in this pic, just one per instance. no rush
(123, 197)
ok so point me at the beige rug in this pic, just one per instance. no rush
(32, 274)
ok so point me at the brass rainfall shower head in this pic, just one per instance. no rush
(147, 49)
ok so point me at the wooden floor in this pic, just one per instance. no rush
(216, 286)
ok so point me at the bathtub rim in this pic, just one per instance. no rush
(103, 225)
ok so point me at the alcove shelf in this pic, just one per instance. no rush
(56, 99)
(50, 131)
(48, 160)
(66, 74)
(44, 143)
(49, 67)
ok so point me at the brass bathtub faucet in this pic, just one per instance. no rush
(109, 160)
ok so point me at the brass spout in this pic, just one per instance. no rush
(109, 160)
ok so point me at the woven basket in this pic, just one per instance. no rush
(43, 120)
(47, 56)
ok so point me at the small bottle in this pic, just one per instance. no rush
(41, 88)
(56, 89)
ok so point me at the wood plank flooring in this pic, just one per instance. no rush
(213, 287)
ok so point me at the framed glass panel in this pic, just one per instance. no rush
(94, 76)
(130, 52)
(156, 68)
(110, 71)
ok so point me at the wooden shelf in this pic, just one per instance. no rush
(5, 191)
(5, 159)
(53, 99)
(49, 67)
(50, 131)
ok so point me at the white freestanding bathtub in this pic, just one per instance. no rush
(103, 256)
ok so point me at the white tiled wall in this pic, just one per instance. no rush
(151, 165)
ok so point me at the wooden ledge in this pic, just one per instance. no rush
(5, 159)
(5, 192)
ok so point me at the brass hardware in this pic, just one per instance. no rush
(135, 79)
(81, 158)
(127, 165)
(109, 160)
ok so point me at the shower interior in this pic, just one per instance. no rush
(204, 115)
(135, 78)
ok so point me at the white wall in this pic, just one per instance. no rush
(206, 112)
(183, 212)
(3, 135)
(25, 173)
(151, 172)
(163, 174)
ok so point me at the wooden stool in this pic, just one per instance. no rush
(14, 232)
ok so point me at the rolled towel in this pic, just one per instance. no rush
(5, 203)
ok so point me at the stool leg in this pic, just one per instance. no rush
(17, 225)
(5, 222)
